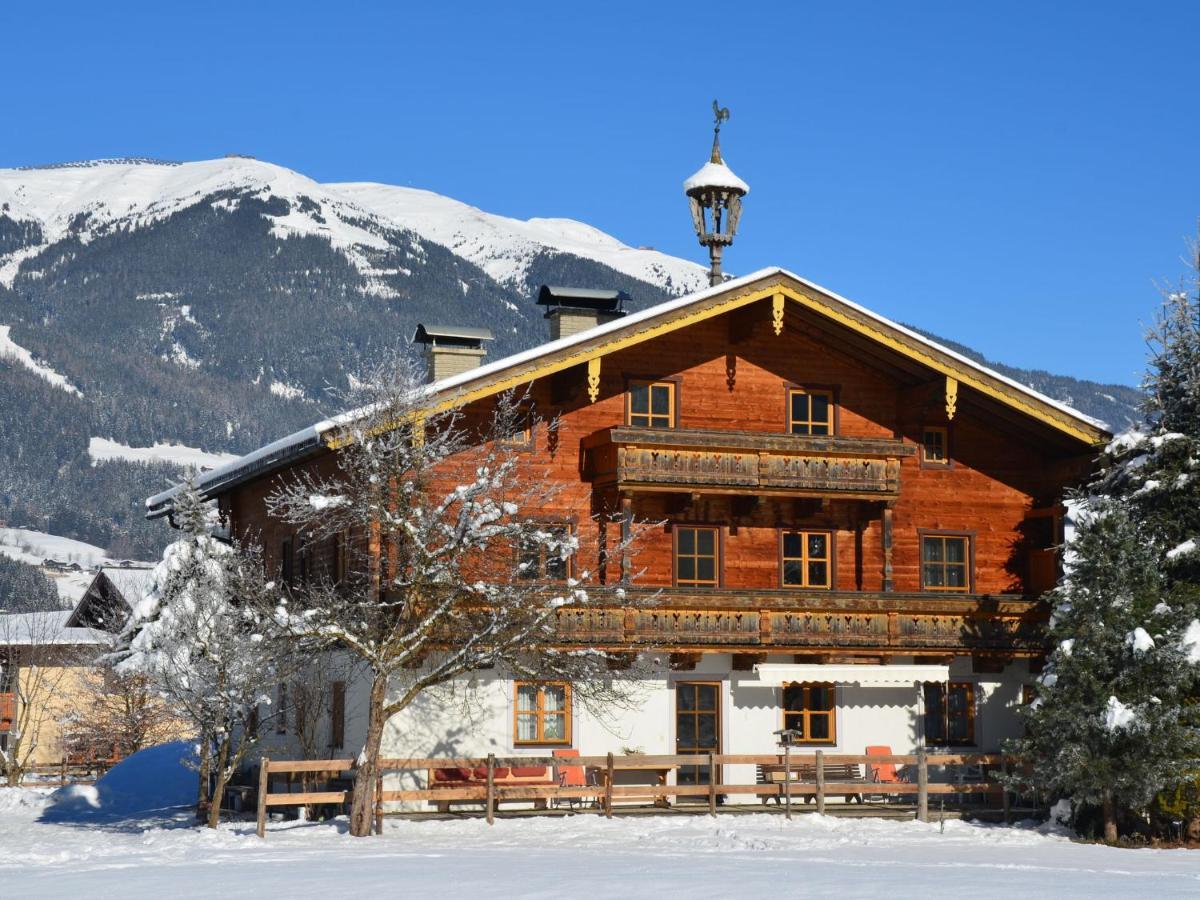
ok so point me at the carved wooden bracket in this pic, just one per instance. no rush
(730, 371)
(593, 379)
(777, 302)
(951, 397)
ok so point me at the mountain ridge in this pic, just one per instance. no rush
(216, 304)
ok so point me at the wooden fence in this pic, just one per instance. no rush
(606, 792)
(64, 772)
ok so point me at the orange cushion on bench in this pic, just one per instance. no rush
(451, 774)
(529, 771)
(498, 772)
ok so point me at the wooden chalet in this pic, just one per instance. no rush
(859, 523)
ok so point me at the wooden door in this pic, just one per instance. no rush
(697, 726)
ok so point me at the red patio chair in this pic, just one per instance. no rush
(885, 772)
(573, 776)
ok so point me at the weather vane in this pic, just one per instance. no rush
(721, 114)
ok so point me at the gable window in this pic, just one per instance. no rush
(545, 556)
(542, 713)
(950, 713)
(946, 562)
(652, 404)
(810, 411)
(697, 556)
(810, 709)
(935, 446)
(806, 559)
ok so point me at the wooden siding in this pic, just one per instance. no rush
(731, 374)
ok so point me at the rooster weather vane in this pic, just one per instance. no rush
(720, 114)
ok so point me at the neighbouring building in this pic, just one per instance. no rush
(858, 525)
(47, 660)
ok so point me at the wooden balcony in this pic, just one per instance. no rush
(734, 462)
(790, 621)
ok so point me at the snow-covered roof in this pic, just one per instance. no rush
(44, 629)
(308, 440)
(716, 175)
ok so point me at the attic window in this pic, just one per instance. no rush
(652, 404)
(810, 411)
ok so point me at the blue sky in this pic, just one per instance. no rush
(1018, 177)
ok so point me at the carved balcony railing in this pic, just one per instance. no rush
(8, 710)
(786, 621)
(632, 459)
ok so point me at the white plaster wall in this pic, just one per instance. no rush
(473, 717)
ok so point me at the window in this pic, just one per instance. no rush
(935, 447)
(945, 562)
(545, 556)
(652, 404)
(810, 411)
(337, 715)
(696, 556)
(542, 713)
(806, 559)
(810, 709)
(950, 713)
(285, 562)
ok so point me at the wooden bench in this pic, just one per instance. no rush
(502, 777)
(776, 773)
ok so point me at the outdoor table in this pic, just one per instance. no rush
(658, 775)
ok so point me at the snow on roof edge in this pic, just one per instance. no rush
(319, 429)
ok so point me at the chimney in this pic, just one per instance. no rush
(572, 310)
(451, 349)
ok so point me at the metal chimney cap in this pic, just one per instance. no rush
(454, 335)
(582, 298)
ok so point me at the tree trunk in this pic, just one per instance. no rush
(214, 806)
(1110, 819)
(205, 774)
(362, 809)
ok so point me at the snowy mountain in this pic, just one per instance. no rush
(98, 197)
(154, 314)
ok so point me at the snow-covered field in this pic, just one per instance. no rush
(585, 855)
(103, 449)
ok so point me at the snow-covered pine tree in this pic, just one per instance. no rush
(1115, 721)
(1112, 722)
(203, 637)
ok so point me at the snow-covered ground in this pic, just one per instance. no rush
(585, 855)
(103, 449)
(10, 349)
(34, 547)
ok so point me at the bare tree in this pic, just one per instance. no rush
(201, 637)
(119, 713)
(453, 566)
(39, 663)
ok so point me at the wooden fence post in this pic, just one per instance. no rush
(608, 780)
(264, 785)
(1004, 798)
(63, 776)
(820, 782)
(922, 786)
(491, 789)
(712, 784)
(379, 802)
(787, 781)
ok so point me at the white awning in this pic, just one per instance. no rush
(775, 674)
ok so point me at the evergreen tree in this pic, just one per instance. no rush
(1115, 720)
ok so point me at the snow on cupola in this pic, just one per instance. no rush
(451, 349)
(715, 195)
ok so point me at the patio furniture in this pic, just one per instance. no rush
(805, 772)
(502, 777)
(632, 771)
(574, 777)
(885, 772)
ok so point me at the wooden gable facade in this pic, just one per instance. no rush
(828, 483)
